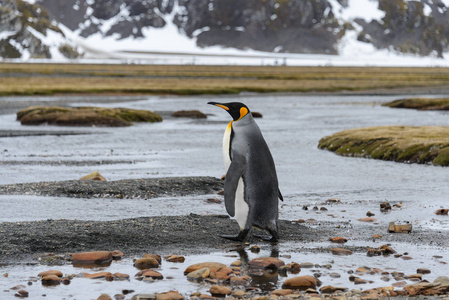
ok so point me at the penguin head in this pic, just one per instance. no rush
(237, 110)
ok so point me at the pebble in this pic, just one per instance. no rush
(104, 297)
(329, 289)
(95, 257)
(341, 251)
(146, 263)
(367, 219)
(171, 295)
(199, 274)
(157, 257)
(423, 271)
(301, 283)
(385, 206)
(281, 292)
(149, 273)
(338, 239)
(441, 212)
(50, 280)
(21, 294)
(175, 258)
(254, 249)
(266, 263)
(220, 291)
(50, 272)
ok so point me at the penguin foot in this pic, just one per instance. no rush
(266, 237)
(239, 237)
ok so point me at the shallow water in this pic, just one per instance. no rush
(292, 126)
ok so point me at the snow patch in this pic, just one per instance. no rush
(6, 34)
(427, 10)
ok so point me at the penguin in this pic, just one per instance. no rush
(251, 189)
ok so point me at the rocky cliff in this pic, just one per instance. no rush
(296, 26)
(27, 31)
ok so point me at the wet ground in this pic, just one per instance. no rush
(292, 126)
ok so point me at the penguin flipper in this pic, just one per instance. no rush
(235, 172)
(280, 195)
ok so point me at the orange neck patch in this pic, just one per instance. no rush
(243, 112)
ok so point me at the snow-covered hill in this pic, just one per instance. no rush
(295, 32)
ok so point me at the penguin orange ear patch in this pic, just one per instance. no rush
(243, 112)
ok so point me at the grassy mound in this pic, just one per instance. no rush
(84, 116)
(420, 103)
(423, 145)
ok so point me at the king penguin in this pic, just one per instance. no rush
(251, 190)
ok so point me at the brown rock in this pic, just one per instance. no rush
(385, 206)
(104, 297)
(414, 276)
(441, 212)
(99, 275)
(51, 280)
(121, 276)
(404, 228)
(266, 263)
(50, 272)
(155, 256)
(18, 287)
(340, 251)
(148, 273)
(117, 254)
(146, 263)
(301, 283)
(367, 219)
(423, 271)
(376, 236)
(329, 289)
(199, 274)
(240, 281)
(175, 258)
(172, 295)
(218, 270)
(21, 294)
(281, 292)
(358, 280)
(338, 239)
(362, 270)
(236, 263)
(254, 249)
(369, 214)
(194, 114)
(220, 291)
(96, 257)
(399, 284)
(94, 176)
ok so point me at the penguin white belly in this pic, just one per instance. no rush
(241, 207)
(226, 146)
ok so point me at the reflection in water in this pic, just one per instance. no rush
(263, 279)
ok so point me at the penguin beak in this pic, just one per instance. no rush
(219, 105)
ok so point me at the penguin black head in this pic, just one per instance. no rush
(237, 110)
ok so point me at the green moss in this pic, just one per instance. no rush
(442, 159)
(423, 145)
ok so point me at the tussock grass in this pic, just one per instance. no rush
(84, 116)
(49, 79)
(420, 103)
(423, 145)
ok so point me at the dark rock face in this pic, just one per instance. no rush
(25, 22)
(406, 27)
(282, 26)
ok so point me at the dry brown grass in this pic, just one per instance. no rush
(425, 144)
(47, 79)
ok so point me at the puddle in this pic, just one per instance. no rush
(325, 266)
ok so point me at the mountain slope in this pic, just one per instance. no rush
(335, 27)
(27, 31)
